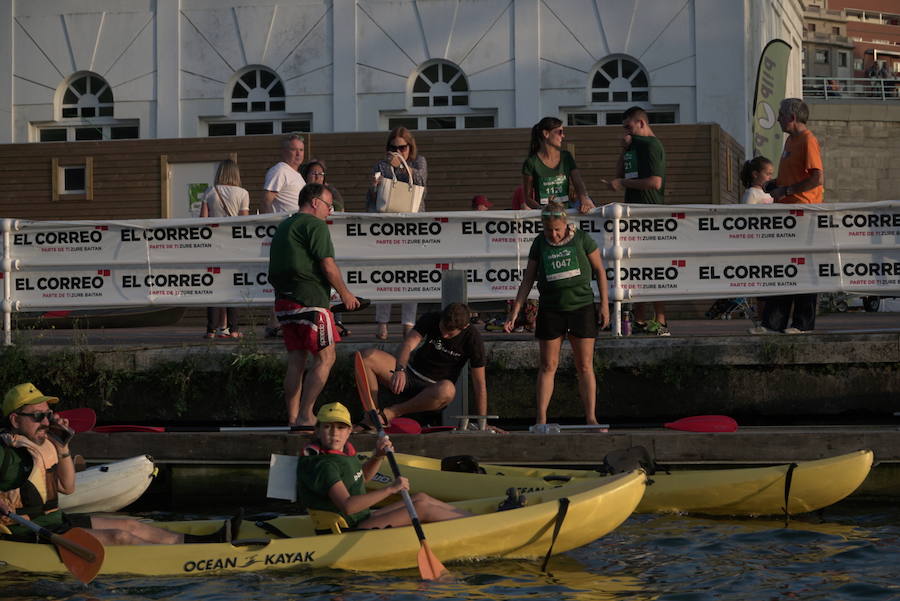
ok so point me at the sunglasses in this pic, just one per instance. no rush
(38, 416)
(316, 174)
(399, 148)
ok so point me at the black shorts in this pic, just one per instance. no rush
(580, 323)
(414, 385)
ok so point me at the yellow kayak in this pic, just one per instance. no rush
(595, 509)
(736, 492)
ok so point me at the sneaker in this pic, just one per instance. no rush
(761, 330)
(638, 327)
(655, 328)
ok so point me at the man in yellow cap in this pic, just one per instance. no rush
(35, 467)
(331, 477)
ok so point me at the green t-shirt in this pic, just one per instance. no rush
(318, 473)
(15, 466)
(295, 271)
(551, 184)
(564, 272)
(645, 157)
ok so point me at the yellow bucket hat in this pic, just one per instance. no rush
(334, 412)
(24, 394)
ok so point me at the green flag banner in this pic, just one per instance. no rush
(771, 82)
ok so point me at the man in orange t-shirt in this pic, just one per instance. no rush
(800, 181)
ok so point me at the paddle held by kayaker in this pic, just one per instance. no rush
(331, 477)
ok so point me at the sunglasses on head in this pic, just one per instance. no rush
(38, 416)
(398, 148)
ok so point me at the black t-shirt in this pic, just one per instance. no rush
(443, 358)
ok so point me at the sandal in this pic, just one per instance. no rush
(343, 331)
(210, 334)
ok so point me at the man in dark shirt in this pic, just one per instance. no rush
(426, 375)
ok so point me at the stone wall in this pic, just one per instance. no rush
(860, 143)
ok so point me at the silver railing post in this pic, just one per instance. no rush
(454, 289)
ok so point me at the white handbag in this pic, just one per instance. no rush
(394, 196)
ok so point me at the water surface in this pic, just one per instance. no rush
(849, 552)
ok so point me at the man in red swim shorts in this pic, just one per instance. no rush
(302, 270)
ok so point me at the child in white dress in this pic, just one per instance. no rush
(755, 174)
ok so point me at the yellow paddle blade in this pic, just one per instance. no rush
(83, 569)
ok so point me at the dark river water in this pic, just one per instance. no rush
(849, 552)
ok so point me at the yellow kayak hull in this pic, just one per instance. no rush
(595, 509)
(735, 492)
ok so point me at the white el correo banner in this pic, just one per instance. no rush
(661, 252)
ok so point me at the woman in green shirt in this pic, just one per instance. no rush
(549, 172)
(563, 260)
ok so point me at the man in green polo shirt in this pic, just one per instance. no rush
(641, 172)
(302, 271)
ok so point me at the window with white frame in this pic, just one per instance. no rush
(256, 106)
(439, 99)
(84, 111)
(821, 57)
(620, 79)
(258, 90)
(617, 84)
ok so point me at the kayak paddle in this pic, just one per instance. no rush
(341, 308)
(430, 567)
(79, 549)
(81, 419)
(136, 428)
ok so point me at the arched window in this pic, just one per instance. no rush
(618, 82)
(87, 95)
(84, 111)
(620, 79)
(440, 84)
(257, 91)
(257, 107)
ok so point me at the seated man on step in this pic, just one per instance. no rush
(330, 477)
(427, 363)
(36, 465)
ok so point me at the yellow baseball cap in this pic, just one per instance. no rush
(24, 394)
(334, 412)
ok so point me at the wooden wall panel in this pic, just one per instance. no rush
(127, 179)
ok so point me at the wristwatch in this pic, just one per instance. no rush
(400, 368)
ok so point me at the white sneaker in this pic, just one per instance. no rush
(761, 330)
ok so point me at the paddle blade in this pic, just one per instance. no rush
(362, 383)
(128, 428)
(83, 569)
(81, 419)
(704, 423)
(430, 567)
(404, 425)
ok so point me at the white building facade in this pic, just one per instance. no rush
(112, 69)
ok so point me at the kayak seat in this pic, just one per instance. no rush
(328, 522)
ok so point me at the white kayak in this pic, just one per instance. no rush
(110, 486)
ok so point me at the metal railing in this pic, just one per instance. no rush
(838, 88)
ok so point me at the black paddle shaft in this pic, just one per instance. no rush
(414, 517)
